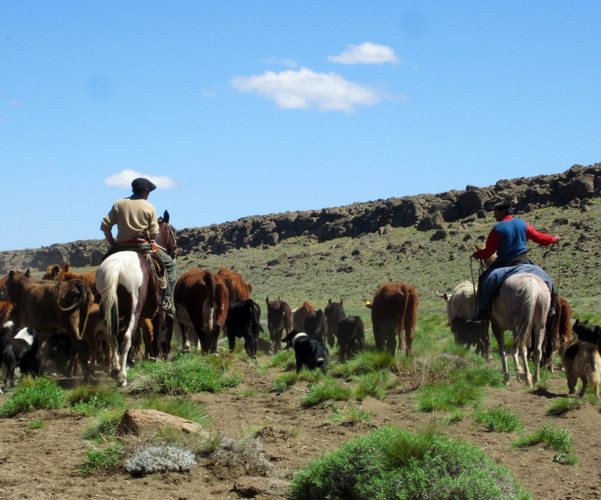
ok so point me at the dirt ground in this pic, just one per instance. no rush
(41, 464)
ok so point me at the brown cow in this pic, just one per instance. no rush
(50, 307)
(201, 304)
(237, 288)
(299, 314)
(6, 306)
(558, 330)
(55, 272)
(393, 310)
(279, 319)
(96, 343)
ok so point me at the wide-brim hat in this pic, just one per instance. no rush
(502, 205)
(142, 184)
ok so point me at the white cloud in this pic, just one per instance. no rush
(366, 53)
(304, 88)
(123, 179)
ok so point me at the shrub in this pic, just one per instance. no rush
(33, 394)
(326, 390)
(160, 459)
(246, 452)
(499, 419)
(393, 463)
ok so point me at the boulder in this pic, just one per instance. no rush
(141, 421)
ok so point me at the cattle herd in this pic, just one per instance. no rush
(62, 312)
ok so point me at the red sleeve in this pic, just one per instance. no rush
(492, 243)
(543, 239)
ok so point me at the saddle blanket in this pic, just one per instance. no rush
(496, 277)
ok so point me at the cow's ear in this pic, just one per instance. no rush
(11, 276)
(56, 269)
(341, 301)
(67, 266)
(28, 273)
(329, 301)
(267, 300)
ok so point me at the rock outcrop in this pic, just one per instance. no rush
(426, 212)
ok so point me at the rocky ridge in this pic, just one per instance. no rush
(425, 211)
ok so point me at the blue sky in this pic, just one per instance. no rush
(248, 107)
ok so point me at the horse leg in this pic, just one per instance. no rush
(498, 333)
(524, 357)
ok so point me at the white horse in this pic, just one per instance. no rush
(128, 287)
(521, 306)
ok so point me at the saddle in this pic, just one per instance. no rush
(144, 248)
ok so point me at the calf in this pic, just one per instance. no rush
(243, 321)
(308, 351)
(471, 333)
(581, 360)
(18, 351)
(334, 312)
(316, 324)
(350, 333)
(279, 319)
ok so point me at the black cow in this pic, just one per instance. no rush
(587, 333)
(334, 312)
(351, 336)
(316, 324)
(243, 321)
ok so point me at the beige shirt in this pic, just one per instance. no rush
(134, 217)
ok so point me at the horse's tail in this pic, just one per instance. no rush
(107, 280)
(534, 315)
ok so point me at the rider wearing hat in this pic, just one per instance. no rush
(136, 221)
(508, 239)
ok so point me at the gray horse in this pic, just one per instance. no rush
(521, 306)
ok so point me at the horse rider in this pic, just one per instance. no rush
(137, 228)
(508, 239)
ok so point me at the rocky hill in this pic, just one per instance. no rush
(427, 212)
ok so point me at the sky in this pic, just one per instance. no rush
(255, 107)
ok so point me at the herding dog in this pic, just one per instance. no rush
(309, 351)
(18, 351)
(581, 360)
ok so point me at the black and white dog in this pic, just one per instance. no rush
(309, 351)
(18, 350)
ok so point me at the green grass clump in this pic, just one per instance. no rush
(101, 459)
(178, 406)
(563, 405)
(448, 397)
(282, 359)
(483, 376)
(370, 361)
(187, 373)
(105, 426)
(37, 424)
(33, 394)
(373, 384)
(393, 463)
(499, 419)
(556, 438)
(284, 382)
(329, 389)
(91, 400)
(349, 415)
